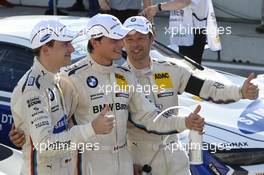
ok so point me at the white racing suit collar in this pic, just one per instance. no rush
(100, 68)
(140, 72)
(43, 71)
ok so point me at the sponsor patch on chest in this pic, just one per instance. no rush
(121, 81)
(163, 80)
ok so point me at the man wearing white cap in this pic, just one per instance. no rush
(175, 78)
(39, 110)
(96, 81)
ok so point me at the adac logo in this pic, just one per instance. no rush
(121, 81)
(163, 80)
(162, 75)
(252, 119)
(92, 81)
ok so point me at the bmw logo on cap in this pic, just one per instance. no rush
(133, 19)
(92, 81)
(44, 38)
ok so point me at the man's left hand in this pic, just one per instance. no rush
(249, 90)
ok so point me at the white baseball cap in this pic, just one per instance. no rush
(106, 25)
(47, 30)
(139, 24)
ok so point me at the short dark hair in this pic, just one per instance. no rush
(89, 45)
(36, 51)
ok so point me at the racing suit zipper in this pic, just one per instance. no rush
(112, 96)
(62, 102)
(162, 137)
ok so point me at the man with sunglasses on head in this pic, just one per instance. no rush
(38, 107)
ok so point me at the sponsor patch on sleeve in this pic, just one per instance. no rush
(60, 126)
(218, 85)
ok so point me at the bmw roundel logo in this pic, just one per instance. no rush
(133, 19)
(92, 82)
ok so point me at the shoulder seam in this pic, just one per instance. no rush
(75, 69)
(25, 83)
(123, 68)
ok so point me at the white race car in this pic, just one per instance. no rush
(234, 133)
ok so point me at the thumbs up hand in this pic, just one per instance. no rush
(17, 137)
(249, 90)
(194, 121)
(103, 124)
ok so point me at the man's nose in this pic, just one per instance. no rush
(70, 47)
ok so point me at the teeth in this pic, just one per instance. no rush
(136, 51)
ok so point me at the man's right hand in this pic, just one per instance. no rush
(103, 124)
(194, 121)
(17, 137)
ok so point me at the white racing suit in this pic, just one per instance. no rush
(38, 109)
(175, 79)
(89, 85)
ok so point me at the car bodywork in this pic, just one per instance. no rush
(234, 132)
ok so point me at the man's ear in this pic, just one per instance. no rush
(44, 50)
(94, 43)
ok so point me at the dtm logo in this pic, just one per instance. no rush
(252, 119)
(6, 119)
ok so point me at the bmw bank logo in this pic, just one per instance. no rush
(92, 82)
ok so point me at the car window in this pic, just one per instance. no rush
(5, 152)
(15, 60)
